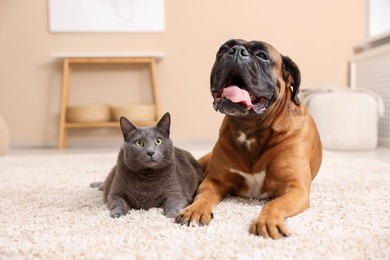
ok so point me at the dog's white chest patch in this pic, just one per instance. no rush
(254, 182)
(242, 138)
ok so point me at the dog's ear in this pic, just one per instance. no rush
(292, 76)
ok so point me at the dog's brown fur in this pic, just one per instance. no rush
(282, 144)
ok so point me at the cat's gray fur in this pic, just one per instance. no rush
(150, 172)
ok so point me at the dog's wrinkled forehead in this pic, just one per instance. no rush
(254, 47)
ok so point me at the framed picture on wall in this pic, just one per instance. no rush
(378, 17)
(106, 16)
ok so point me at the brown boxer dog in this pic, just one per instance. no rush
(268, 145)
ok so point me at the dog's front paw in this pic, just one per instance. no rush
(194, 215)
(269, 226)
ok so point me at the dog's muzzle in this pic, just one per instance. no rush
(234, 100)
(234, 97)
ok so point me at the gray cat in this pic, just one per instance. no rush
(150, 172)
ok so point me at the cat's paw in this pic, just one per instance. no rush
(117, 213)
(171, 213)
(173, 207)
(97, 184)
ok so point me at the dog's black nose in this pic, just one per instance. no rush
(238, 50)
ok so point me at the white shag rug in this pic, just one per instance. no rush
(48, 211)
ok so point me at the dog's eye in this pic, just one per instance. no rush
(262, 55)
(223, 50)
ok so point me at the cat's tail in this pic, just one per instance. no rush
(97, 184)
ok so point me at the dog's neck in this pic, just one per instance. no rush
(245, 133)
(247, 125)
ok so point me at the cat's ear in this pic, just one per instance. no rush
(127, 127)
(165, 123)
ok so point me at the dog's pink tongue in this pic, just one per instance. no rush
(237, 95)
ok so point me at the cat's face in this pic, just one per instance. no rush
(147, 148)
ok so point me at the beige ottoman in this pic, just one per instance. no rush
(346, 119)
(4, 137)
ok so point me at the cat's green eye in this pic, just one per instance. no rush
(158, 141)
(139, 143)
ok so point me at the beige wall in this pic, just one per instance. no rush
(318, 35)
